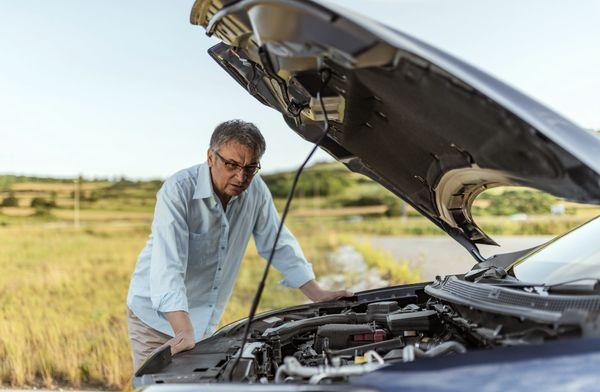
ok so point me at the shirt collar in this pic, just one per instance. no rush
(204, 189)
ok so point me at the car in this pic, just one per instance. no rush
(436, 132)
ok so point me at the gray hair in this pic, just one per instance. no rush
(245, 133)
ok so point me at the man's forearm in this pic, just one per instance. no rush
(311, 289)
(183, 329)
(180, 321)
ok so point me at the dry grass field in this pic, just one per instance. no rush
(62, 299)
(62, 305)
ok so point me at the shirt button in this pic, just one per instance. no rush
(214, 288)
(210, 306)
(222, 247)
(219, 268)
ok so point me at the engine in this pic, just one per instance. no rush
(329, 343)
(333, 347)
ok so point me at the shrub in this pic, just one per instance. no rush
(41, 203)
(10, 201)
(311, 183)
(365, 200)
(395, 205)
(91, 197)
(512, 202)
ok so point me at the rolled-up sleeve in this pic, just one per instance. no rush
(169, 257)
(288, 258)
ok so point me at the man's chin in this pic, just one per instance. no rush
(234, 190)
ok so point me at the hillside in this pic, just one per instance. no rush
(324, 189)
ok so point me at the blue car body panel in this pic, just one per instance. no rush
(571, 364)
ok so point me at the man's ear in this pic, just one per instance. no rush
(209, 157)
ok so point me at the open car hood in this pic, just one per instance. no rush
(430, 128)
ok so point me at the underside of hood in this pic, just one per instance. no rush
(435, 131)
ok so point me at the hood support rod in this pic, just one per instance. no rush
(325, 77)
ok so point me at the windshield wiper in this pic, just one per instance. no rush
(573, 286)
(576, 286)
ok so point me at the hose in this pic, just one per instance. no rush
(409, 353)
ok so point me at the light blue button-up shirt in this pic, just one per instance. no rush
(194, 251)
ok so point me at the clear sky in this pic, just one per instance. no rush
(111, 87)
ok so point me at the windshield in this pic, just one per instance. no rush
(575, 255)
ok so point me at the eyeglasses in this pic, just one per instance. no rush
(231, 166)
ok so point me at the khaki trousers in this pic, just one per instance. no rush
(144, 339)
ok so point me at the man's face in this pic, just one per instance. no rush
(231, 168)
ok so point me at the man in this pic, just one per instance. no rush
(203, 220)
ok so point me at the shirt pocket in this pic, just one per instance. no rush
(203, 249)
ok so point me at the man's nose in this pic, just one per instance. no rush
(241, 175)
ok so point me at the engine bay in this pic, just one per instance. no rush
(332, 342)
(335, 346)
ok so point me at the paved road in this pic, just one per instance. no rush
(442, 255)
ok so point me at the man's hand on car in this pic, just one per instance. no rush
(184, 332)
(182, 341)
(317, 294)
